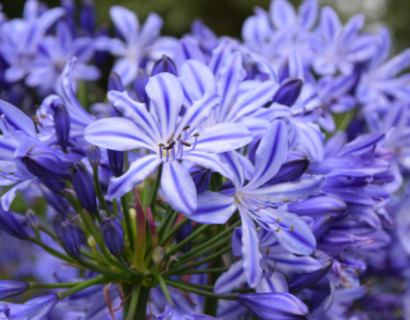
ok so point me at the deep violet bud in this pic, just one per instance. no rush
(43, 163)
(182, 233)
(116, 161)
(201, 177)
(69, 6)
(299, 282)
(288, 92)
(12, 288)
(275, 306)
(70, 236)
(36, 308)
(165, 64)
(10, 224)
(32, 220)
(94, 155)
(139, 86)
(62, 125)
(115, 82)
(87, 16)
(84, 187)
(113, 235)
(58, 219)
(54, 199)
(295, 165)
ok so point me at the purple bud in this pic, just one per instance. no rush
(139, 87)
(10, 224)
(321, 225)
(12, 288)
(62, 125)
(182, 233)
(116, 161)
(32, 220)
(113, 235)
(165, 64)
(318, 206)
(54, 199)
(115, 82)
(299, 282)
(87, 16)
(70, 236)
(275, 305)
(58, 219)
(84, 187)
(69, 6)
(43, 163)
(94, 155)
(201, 177)
(295, 165)
(288, 92)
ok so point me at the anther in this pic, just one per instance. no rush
(186, 128)
(259, 228)
(179, 137)
(171, 137)
(267, 251)
(1, 170)
(278, 220)
(287, 200)
(278, 229)
(12, 173)
(291, 228)
(196, 135)
(185, 143)
(161, 145)
(3, 176)
(42, 116)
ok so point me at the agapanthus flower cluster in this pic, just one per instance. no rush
(214, 178)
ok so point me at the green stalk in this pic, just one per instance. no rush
(198, 263)
(155, 190)
(205, 271)
(165, 290)
(141, 311)
(127, 220)
(198, 286)
(183, 259)
(192, 236)
(82, 286)
(212, 240)
(99, 192)
(201, 292)
(111, 273)
(51, 251)
(165, 221)
(33, 285)
(173, 231)
(133, 304)
(126, 268)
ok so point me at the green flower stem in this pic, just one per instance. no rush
(198, 286)
(165, 290)
(132, 309)
(127, 220)
(169, 235)
(200, 292)
(165, 221)
(197, 253)
(192, 236)
(118, 275)
(205, 271)
(51, 251)
(143, 296)
(48, 231)
(114, 207)
(33, 285)
(198, 263)
(82, 286)
(212, 240)
(126, 268)
(155, 190)
(99, 192)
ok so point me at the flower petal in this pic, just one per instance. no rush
(178, 188)
(126, 22)
(137, 172)
(213, 208)
(282, 13)
(275, 283)
(210, 161)
(197, 79)
(117, 134)
(232, 279)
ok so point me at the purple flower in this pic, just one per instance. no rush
(135, 43)
(275, 306)
(12, 288)
(34, 309)
(172, 313)
(167, 139)
(113, 235)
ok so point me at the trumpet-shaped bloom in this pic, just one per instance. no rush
(168, 138)
(258, 202)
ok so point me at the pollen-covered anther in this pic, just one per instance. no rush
(287, 200)
(171, 137)
(291, 228)
(187, 144)
(267, 251)
(278, 220)
(258, 229)
(278, 229)
(186, 128)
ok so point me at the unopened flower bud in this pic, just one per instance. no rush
(91, 241)
(87, 16)
(158, 255)
(288, 92)
(43, 162)
(62, 125)
(115, 82)
(183, 233)
(113, 235)
(70, 236)
(84, 187)
(139, 87)
(32, 220)
(165, 64)
(12, 288)
(94, 155)
(57, 221)
(116, 161)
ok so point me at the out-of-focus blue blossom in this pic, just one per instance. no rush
(37, 308)
(84, 187)
(12, 288)
(113, 235)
